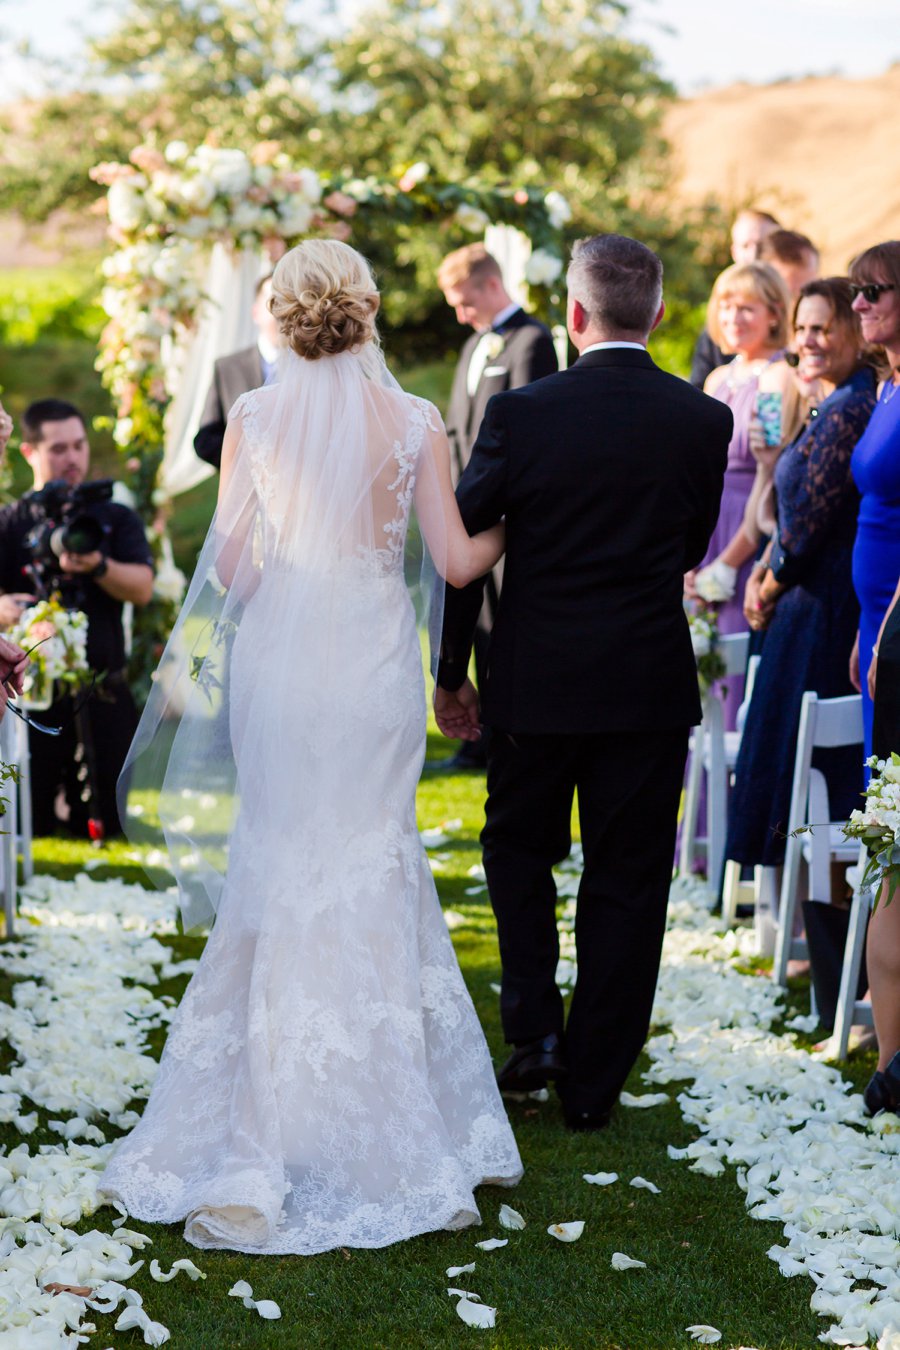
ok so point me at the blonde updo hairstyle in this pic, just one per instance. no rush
(324, 299)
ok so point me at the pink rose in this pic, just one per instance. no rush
(148, 159)
(265, 152)
(341, 203)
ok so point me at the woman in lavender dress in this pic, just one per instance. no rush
(747, 314)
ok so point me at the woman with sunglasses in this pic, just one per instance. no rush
(875, 282)
(875, 667)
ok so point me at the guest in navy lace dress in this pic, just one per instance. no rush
(802, 588)
(875, 279)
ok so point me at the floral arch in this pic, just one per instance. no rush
(170, 210)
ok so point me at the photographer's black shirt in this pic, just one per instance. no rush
(124, 541)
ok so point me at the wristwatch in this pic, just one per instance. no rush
(99, 571)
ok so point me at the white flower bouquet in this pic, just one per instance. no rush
(56, 640)
(877, 825)
(705, 641)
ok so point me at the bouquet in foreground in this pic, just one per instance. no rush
(705, 641)
(877, 826)
(56, 641)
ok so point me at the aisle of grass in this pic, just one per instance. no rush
(705, 1258)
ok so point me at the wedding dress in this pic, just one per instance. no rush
(326, 1082)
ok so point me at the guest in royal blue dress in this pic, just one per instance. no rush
(875, 281)
(802, 588)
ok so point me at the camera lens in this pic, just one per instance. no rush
(81, 534)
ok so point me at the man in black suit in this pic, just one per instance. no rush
(609, 476)
(237, 373)
(507, 349)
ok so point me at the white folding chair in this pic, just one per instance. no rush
(825, 723)
(852, 1011)
(8, 823)
(714, 753)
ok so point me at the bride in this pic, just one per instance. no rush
(326, 1082)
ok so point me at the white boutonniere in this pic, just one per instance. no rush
(493, 345)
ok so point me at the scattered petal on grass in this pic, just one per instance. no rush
(476, 1314)
(567, 1232)
(622, 1262)
(704, 1334)
(134, 1318)
(510, 1218)
(644, 1098)
(496, 988)
(240, 1290)
(539, 1095)
(454, 1271)
(135, 1240)
(158, 1274)
(267, 1309)
(642, 1184)
(491, 1244)
(464, 1293)
(600, 1178)
(708, 1167)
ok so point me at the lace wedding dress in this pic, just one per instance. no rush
(326, 1082)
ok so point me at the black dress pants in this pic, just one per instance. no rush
(628, 786)
(110, 718)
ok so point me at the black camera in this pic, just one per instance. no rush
(64, 523)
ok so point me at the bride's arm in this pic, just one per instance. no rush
(234, 518)
(459, 557)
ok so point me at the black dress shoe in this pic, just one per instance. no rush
(587, 1120)
(532, 1066)
(883, 1089)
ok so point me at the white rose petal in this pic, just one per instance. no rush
(567, 1232)
(644, 1099)
(600, 1178)
(454, 1271)
(641, 1184)
(240, 1290)
(704, 1334)
(510, 1218)
(267, 1309)
(476, 1314)
(184, 1264)
(492, 1244)
(622, 1262)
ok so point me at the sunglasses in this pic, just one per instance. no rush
(871, 290)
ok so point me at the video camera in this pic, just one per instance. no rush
(65, 523)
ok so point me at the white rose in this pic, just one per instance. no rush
(197, 192)
(543, 268)
(310, 185)
(123, 430)
(126, 208)
(358, 189)
(176, 152)
(471, 218)
(169, 583)
(294, 217)
(245, 216)
(558, 209)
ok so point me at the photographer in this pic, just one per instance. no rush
(69, 538)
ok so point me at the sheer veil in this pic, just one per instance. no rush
(308, 552)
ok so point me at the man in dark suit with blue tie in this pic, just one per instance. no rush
(507, 349)
(608, 476)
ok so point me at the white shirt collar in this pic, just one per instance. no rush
(604, 346)
(268, 351)
(502, 315)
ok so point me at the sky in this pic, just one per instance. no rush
(699, 43)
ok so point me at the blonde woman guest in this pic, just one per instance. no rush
(747, 315)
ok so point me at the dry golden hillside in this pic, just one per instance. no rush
(822, 154)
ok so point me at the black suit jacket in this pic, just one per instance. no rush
(232, 376)
(609, 475)
(528, 354)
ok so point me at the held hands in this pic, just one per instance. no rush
(457, 713)
(11, 606)
(760, 595)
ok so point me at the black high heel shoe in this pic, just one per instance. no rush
(883, 1089)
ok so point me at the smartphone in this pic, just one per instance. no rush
(768, 410)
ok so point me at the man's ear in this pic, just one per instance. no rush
(28, 452)
(659, 316)
(579, 316)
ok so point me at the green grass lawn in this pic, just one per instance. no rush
(705, 1257)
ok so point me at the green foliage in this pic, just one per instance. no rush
(40, 302)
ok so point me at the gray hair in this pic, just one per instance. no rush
(617, 281)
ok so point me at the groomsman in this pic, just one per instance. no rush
(608, 476)
(236, 374)
(508, 348)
